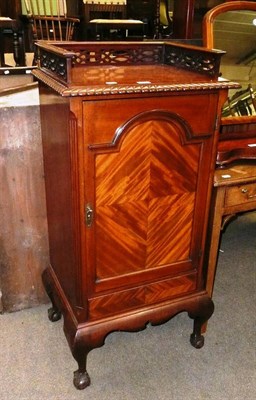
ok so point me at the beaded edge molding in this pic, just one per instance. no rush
(128, 89)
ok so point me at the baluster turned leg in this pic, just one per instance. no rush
(16, 53)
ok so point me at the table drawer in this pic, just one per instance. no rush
(240, 194)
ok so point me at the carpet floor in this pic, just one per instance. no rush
(157, 363)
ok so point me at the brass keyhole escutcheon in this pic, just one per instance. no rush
(88, 215)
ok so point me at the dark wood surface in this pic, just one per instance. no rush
(237, 140)
(149, 12)
(238, 127)
(129, 171)
(13, 28)
(233, 150)
(145, 11)
(10, 8)
(11, 32)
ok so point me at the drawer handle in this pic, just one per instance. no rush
(245, 191)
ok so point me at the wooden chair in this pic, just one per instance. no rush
(241, 103)
(49, 20)
(165, 22)
(107, 20)
(94, 9)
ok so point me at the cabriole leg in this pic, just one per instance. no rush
(200, 317)
(81, 377)
(54, 313)
(196, 338)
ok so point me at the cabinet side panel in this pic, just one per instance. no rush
(55, 120)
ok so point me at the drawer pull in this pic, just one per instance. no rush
(245, 191)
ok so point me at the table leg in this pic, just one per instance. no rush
(215, 238)
(1, 49)
(215, 225)
(18, 49)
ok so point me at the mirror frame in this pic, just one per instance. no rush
(233, 129)
(208, 22)
(210, 16)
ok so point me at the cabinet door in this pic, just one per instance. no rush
(146, 184)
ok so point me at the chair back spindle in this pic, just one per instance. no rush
(49, 20)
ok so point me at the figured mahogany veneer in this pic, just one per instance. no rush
(129, 153)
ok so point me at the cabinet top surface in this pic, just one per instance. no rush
(88, 68)
(134, 75)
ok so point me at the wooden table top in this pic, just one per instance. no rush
(242, 172)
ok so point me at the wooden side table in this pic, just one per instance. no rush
(234, 192)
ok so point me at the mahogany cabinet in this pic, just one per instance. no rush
(129, 140)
